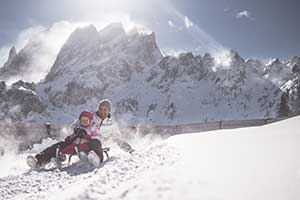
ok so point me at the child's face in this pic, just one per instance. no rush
(84, 121)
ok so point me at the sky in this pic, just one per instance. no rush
(261, 29)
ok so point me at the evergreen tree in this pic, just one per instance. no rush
(284, 109)
(297, 103)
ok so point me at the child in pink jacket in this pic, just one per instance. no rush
(83, 137)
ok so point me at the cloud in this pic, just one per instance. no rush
(172, 51)
(185, 33)
(244, 14)
(188, 23)
(100, 14)
(49, 41)
(223, 59)
(20, 42)
(4, 51)
(171, 24)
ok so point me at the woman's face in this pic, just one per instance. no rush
(103, 112)
(84, 121)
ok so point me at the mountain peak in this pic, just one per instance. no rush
(235, 55)
(12, 53)
(186, 55)
(296, 68)
(207, 56)
(85, 33)
(90, 28)
(295, 60)
(276, 61)
(114, 25)
(254, 62)
(250, 60)
(112, 31)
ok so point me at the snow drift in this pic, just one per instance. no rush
(247, 163)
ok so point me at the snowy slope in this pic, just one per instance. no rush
(248, 163)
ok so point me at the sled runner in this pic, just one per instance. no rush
(83, 153)
(78, 150)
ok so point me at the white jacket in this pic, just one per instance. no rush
(106, 129)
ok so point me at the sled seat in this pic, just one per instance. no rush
(104, 150)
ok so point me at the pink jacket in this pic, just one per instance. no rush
(90, 130)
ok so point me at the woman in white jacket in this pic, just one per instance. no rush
(103, 117)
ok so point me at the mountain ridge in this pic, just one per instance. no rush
(147, 87)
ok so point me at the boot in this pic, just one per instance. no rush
(93, 159)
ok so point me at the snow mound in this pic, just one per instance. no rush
(247, 163)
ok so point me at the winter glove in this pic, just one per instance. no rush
(69, 139)
(81, 133)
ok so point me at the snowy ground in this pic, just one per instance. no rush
(248, 163)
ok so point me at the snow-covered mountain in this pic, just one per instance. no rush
(278, 72)
(145, 87)
(193, 90)
(92, 64)
(129, 69)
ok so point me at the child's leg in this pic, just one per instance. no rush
(95, 145)
(45, 156)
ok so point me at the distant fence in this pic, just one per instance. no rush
(29, 133)
(205, 126)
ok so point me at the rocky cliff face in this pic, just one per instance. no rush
(19, 101)
(192, 89)
(290, 101)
